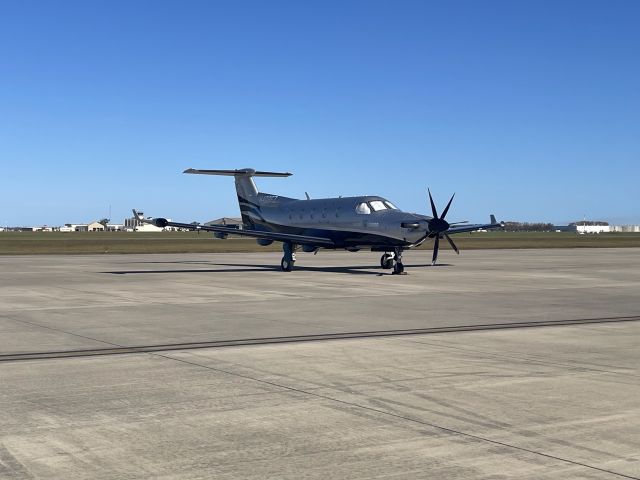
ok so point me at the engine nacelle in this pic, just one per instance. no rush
(309, 248)
(221, 235)
(264, 242)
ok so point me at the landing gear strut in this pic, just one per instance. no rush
(398, 267)
(289, 257)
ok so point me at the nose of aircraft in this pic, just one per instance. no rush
(438, 226)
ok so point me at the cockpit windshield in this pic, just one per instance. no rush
(365, 208)
(377, 205)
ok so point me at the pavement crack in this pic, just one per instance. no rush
(519, 357)
(33, 324)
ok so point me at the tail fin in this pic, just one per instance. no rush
(248, 195)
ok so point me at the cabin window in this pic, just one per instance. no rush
(377, 205)
(363, 208)
(390, 205)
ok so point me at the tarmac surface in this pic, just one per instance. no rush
(157, 381)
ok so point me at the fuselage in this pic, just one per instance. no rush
(351, 222)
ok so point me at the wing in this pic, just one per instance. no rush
(472, 227)
(276, 236)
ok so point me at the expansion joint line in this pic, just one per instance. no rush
(66, 332)
(402, 417)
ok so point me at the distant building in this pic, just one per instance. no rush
(625, 228)
(74, 227)
(601, 228)
(132, 224)
(95, 227)
(144, 227)
(572, 227)
(593, 228)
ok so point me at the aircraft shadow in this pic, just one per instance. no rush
(354, 270)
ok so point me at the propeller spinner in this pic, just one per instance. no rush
(438, 227)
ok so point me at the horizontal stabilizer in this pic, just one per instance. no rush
(243, 172)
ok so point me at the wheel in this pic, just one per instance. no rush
(386, 261)
(286, 265)
(398, 268)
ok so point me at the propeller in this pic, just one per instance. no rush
(438, 227)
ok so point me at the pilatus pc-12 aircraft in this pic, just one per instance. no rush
(351, 223)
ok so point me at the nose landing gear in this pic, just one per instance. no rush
(398, 267)
(387, 260)
(393, 260)
(289, 258)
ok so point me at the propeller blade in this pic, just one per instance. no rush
(453, 245)
(435, 251)
(459, 223)
(446, 209)
(433, 205)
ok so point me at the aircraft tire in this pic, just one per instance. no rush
(386, 261)
(286, 265)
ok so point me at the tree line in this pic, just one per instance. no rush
(513, 226)
(590, 223)
(528, 227)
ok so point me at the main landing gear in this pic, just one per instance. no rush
(393, 260)
(289, 258)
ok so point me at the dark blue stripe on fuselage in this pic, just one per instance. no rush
(340, 238)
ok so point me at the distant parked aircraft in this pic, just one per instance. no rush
(351, 223)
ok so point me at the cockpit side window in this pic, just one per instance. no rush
(363, 208)
(377, 205)
(390, 205)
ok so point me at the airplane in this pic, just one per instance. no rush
(350, 223)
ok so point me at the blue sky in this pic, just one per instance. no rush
(529, 110)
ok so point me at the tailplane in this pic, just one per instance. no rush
(248, 172)
(248, 195)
